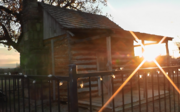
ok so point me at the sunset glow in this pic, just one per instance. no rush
(151, 52)
(152, 57)
(8, 59)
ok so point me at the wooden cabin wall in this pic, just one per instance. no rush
(86, 55)
(51, 27)
(91, 56)
(61, 56)
(122, 53)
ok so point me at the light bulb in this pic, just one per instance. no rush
(81, 85)
(60, 83)
(113, 76)
(49, 75)
(140, 76)
(34, 81)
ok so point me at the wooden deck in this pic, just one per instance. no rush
(97, 101)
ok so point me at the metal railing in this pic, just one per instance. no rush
(27, 93)
(148, 90)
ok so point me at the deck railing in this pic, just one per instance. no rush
(148, 90)
(28, 93)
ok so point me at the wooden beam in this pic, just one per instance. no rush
(90, 38)
(109, 64)
(142, 47)
(109, 58)
(145, 44)
(53, 71)
(167, 53)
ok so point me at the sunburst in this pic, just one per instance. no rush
(146, 58)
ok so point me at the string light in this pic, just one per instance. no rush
(101, 78)
(60, 83)
(81, 85)
(174, 71)
(158, 72)
(113, 75)
(148, 74)
(140, 76)
(167, 73)
(49, 75)
(121, 68)
(34, 81)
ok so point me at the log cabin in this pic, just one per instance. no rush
(55, 37)
(92, 42)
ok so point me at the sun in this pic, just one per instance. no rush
(151, 52)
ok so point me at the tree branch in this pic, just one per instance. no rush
(17, 15)
(6, 34)
(5, 43)
(9, 40)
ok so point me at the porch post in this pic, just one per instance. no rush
(73, 93)
(109, 65)
(53, 73)
(167, 53)
(142, 47)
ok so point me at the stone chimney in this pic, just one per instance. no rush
(32, 50)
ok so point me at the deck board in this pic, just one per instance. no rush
(96, 101)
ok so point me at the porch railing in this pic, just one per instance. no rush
(148, 90)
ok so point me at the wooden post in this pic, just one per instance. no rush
(167, 53)
(142, 47)
(99, 81)
(53, 73)
(73, 95)
(109, 65)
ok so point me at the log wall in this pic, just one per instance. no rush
(91, 56)
(61, 55)
(122, 53)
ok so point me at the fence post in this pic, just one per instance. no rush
(73, 96)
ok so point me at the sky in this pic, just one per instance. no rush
(8, 59)
(160, 17)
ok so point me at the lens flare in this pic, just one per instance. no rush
(173, 84)
(124, 83)
(132, 74)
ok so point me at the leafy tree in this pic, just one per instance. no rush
(11, 16)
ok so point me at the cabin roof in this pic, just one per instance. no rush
(71, 19)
